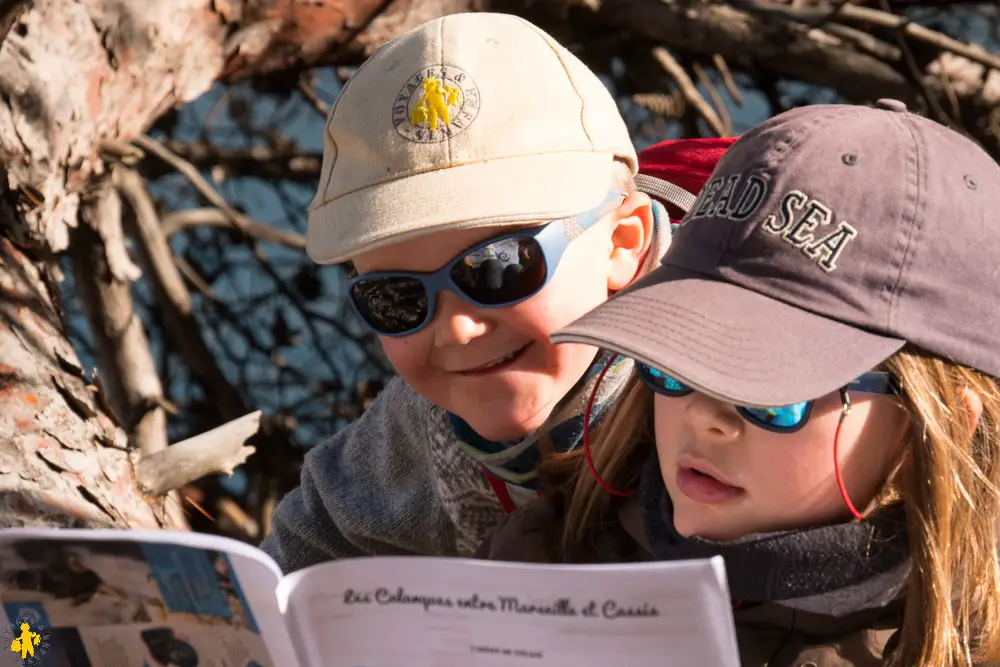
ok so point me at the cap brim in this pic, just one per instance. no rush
(729, 342)
(506, 192)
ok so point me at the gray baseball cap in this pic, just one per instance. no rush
(827, 238)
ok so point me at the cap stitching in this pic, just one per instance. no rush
(379, 240)
(447, 140)
(434, 168)
(658, 335)
(328, 175)
(569, 77)
(769, 290)
(912, 182)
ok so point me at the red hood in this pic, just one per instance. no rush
(687, 163)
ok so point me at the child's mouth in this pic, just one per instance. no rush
(499, 364)
(702, 487)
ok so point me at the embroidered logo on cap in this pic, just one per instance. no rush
(436, 103)
(801, 221)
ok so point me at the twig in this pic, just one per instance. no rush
(194, 278)
(321, 107)
(689, 90)
(213, 217)
(720, 106)
(667, 106)
(287, 162)
(916, 74)
(266, 512)
(727, 79)
(127, 365)
(231, 511)
(866, 43)
(220, 450)
(884, 19)
(173, 296)
(189, 171)
(949, 90)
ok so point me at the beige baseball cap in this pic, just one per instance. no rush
(470, 120)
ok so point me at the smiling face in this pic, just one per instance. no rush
(495, 367)
(728, 478)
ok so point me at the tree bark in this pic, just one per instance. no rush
(63, 458)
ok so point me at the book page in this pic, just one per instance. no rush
(109, 598)
(430, 612)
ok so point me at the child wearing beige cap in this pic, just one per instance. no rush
(480, 179)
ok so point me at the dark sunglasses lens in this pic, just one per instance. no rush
(392, 304)
(511, 269)
(786, 417)
(660, 381)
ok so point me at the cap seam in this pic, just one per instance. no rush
(897, 285)
(468, 223)
(447, 139)
(655, 333)
(330, 116)
(569, 77)
(453, 166)
(887, 333)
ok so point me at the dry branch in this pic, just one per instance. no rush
(220, 450)
(289, 163)
(127, 368)
(173, 296)
(717, 104)
(690, 91)
(760, 37)
(821, 13)
(236, 219)
(213, 217)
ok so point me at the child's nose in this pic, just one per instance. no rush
(458, 322)
(712, 418)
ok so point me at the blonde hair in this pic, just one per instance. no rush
(948, 478)
(621, 176)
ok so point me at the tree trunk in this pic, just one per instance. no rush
(81, 79)
(63, 458)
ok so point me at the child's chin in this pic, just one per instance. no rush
(689, 524)
(499, 425)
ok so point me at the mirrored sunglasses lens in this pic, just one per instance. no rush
(660, 380)
(509, 270)
(391, 305)
(788, 416)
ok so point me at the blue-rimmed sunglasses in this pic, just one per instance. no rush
(497, 273)
(786, 419)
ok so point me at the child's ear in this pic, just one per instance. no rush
(973, 406)
(631, 239)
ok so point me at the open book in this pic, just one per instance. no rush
(87, 598)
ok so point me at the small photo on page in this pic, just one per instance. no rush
(80, 583)
(174, 645)
(198, 586)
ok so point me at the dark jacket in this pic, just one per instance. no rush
(769, 635)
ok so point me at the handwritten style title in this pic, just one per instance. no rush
(609, 609)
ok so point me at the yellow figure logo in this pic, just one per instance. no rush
(433, 106)
(26, 643)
